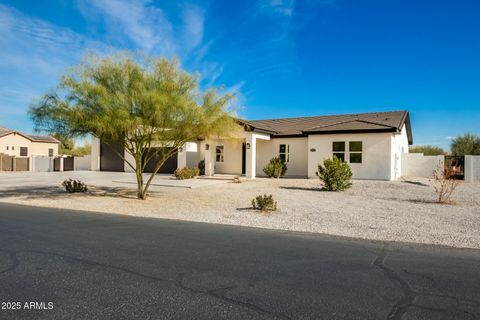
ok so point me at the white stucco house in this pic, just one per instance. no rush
(372, 143)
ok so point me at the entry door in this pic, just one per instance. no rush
(244, 157)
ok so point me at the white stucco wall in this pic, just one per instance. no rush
(297, 165)
(95, 155)
(232, 150)
(376, 155)
(419, 165)
(472, 168)
(399, 147)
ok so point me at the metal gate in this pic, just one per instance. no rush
(68, 164)
(457, 164)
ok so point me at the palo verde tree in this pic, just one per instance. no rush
(141, 103)
(468, 144)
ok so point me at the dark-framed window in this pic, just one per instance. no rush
(219, 154)
(355, 149)
(338, 148)
(50, 152)
(284, 152)
(23, 151)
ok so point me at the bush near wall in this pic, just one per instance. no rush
(186, 173)
(275, 168)
(335, 174)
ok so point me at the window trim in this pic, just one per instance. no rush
(20, 151)
(339, 153)
(355, 152)
(286, 153)
(220, 148)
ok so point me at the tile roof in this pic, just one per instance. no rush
(5, 131)
(392, 121)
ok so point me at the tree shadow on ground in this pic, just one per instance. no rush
(54, 192)
(417, 183)
(316, 189)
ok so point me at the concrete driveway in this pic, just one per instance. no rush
(94, 266)
(10, 180)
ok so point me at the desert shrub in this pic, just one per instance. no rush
(186, 173)
(427, 150)
(264, 203)
(444, 182)
(201, 167)
(72, 186)
(335, 174)
(275, 168)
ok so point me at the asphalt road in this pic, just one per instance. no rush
(96, 266)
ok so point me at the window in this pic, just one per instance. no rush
(219, 154)
(283, 152)
(13, 148)
(7, 147)
(338, 148)
(23, 151)
(50, 152)
(355, 148)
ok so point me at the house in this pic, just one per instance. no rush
(372, 143)
(23, 146)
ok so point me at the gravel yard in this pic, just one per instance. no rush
(380, 210)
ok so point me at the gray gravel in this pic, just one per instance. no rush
(393, 211)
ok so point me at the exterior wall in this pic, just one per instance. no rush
(42, 164)
(419, 165)
(193, 154)
(34, 148)
(95, 155)
(472, 168)
(297, 165)
(376, 154)
(82, 163)
(232, 156)
(399, 147)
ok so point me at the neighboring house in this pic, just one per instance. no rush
(372, 144)
(15, 143)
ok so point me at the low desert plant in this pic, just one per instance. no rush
(72, 186)
(444, 182)
(264, 203)
(186, 173)
(201, 167)
(335, 174)
(275, 168)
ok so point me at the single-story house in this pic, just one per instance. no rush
(16, 143)
(372, 144)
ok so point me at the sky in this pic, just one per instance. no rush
(282, 58)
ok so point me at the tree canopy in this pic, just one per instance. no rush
(138, 102)
(468, 144)
(427, 150)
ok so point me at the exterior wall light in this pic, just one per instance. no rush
(207, 147)
(247, 145)
(313, 150)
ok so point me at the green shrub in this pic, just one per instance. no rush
(264, 203)
(201, 167)
(335, 174)
(186, 173)
(72, 186)
(275, 168)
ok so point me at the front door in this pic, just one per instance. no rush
(244, 157)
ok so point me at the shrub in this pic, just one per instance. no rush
(275, 168)
(72, 186)
(201, 167)
(428, 150)
(186, 173)
(444, 182)
(335, 174)
(264, 203)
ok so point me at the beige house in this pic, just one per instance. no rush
(18, 144)
(372, 144)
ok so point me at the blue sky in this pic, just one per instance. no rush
(281, 57)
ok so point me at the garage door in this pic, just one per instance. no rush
(109, 160)
(168, 167)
